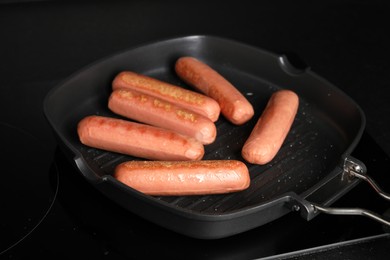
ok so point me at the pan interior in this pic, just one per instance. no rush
(312, 149)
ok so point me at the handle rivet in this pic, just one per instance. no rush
(296, 208)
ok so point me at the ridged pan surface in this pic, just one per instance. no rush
(327, 126)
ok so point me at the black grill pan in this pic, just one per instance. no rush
(309, 167)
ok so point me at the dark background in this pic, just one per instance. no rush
(346, 42)
(44, 42)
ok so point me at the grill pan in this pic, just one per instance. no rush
(309, 173)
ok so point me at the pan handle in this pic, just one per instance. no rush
(353, 169)
(352, 211)
(373, 184)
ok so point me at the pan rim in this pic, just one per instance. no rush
(75, 153)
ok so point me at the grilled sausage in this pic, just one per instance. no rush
(138, 140)
(271, 128)
(154, 111)
(234, 106)
(173, 178)
(185, 98)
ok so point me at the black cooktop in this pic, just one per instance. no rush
(48, 209)
(52, 211)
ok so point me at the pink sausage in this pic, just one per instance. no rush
(173, 178)
(185, 98)
(234, 106)
(272, 128)
(154, 111)
(138, 140)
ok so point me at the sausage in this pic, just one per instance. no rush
(234, 106)
(174, 178)
(135, 139)
(154, 111)
(185, 98)
(272, 127)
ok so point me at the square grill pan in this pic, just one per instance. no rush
(309, 165)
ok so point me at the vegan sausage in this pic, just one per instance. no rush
(154, 111)
(174, 178)
(185, 98)
(271, 128)
(234, 106)
(139, 140)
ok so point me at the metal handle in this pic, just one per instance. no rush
(372, 183)
(354, 168)
(352, 211)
